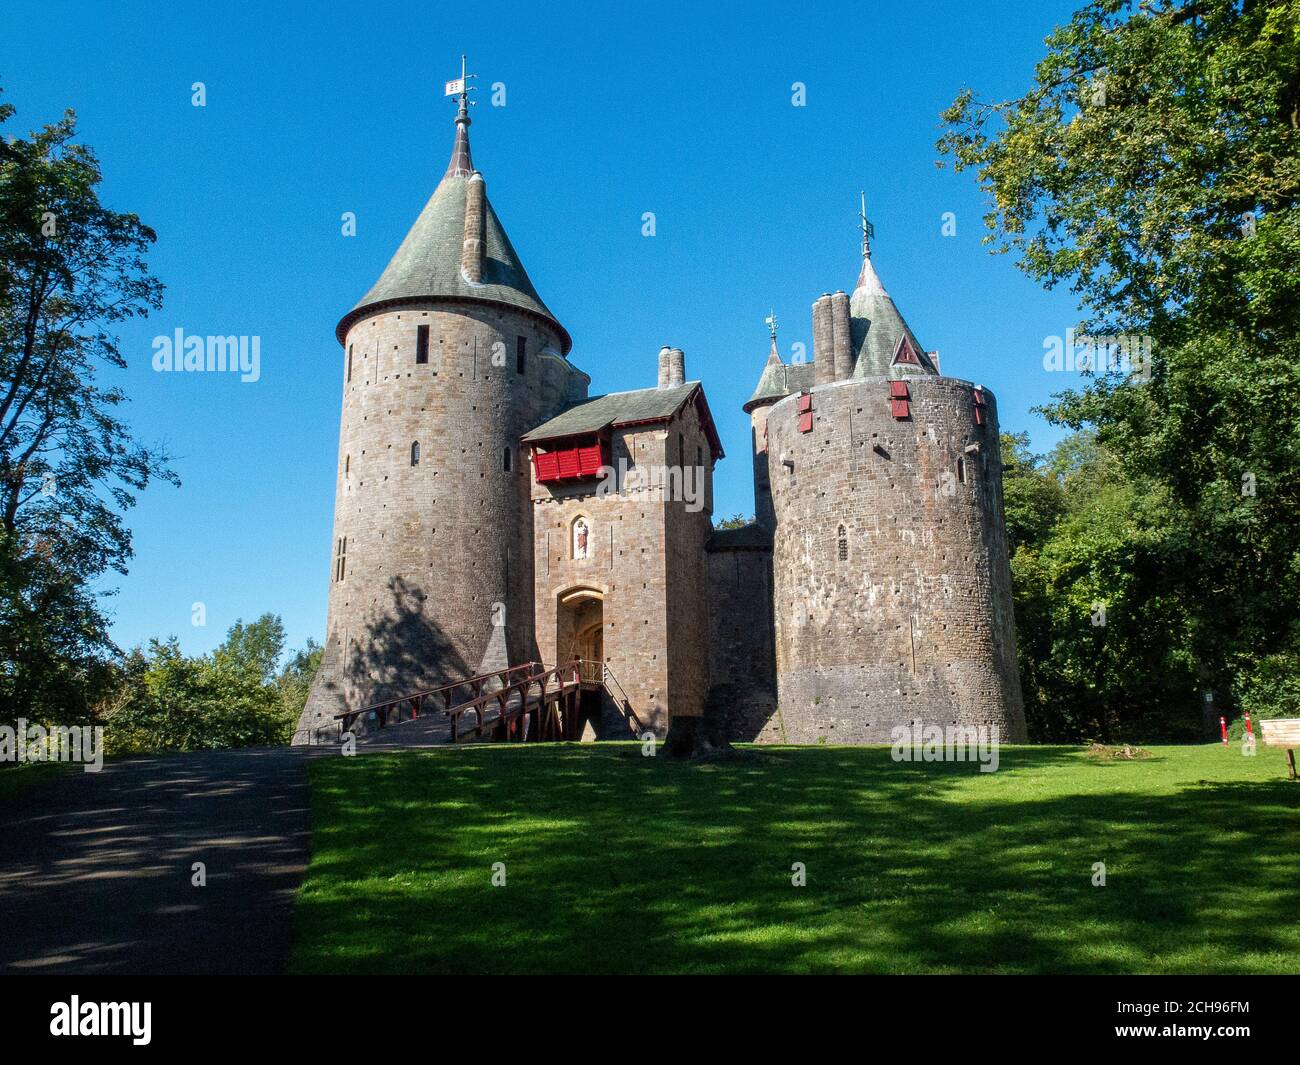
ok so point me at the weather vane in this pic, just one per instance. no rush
(868, 230)
(460, 86)
(771, 323)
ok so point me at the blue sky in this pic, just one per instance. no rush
(682, 110)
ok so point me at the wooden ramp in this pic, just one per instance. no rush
(524, 702)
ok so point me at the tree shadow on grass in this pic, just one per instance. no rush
(618, 863)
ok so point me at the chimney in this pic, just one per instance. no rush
(676, 367)
(823, 341)
(664, 353)
(841, 336)
(471, 255)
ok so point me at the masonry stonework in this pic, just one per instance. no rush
(891, 578)
(489, 513)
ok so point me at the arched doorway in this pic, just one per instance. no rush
(580, 625)
(580, 632)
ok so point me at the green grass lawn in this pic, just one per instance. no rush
(620, 863)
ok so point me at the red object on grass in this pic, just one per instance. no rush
(1249, 731)
(1223, 724)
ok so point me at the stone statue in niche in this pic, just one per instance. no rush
(581, 535)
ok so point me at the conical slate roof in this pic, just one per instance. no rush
(877, 328)
(778, 380)
(427, 265)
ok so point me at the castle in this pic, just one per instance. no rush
(489, 512)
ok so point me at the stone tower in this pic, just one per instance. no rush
(891, 580)
(774, 384)
(447, 360)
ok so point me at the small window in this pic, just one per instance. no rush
(506, 460)
(349, 362)
(415, 453)
(521, 353)
(843, 544)
(341, 559)
(421, 343)
(961, 470)
(347, 465)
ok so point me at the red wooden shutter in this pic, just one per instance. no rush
(805, 412)
(900, 399)
(548, 467)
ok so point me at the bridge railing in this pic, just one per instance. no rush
(414, 701)
(516, 701)
(599, 672)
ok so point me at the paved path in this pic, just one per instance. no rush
(96, 868)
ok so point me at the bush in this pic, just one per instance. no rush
(167, 701)
(1270, 689)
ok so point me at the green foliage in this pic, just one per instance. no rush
(1270, 689)
(234, 697)
(52, 635)
(1032, 502)
(1153, 167)
(1104, 642)
(736, 521)
(71, 270)
(294, 681)
(253, 649)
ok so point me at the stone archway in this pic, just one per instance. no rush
(590, 642)
(580, 625)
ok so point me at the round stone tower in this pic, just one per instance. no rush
(890, 569)
(772, 385)
(447, 360)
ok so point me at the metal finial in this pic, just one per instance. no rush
(461, 87)
(771, 323)
(868, 230)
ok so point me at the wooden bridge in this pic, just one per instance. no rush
(527, 702)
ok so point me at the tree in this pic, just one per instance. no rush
(295, 679)
(1032, 498)
(71, 270)
(1102, 633)
(178, 703)
(254, 648)
(235, 697)
(1153, 168)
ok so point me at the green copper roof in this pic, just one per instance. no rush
(779, 380)
(877, 329)
(428, 262)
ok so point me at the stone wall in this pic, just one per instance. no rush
(646, 562)
(742, 654)
(432, 548)
(689, 527)
(763, 512)
(906, 614)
